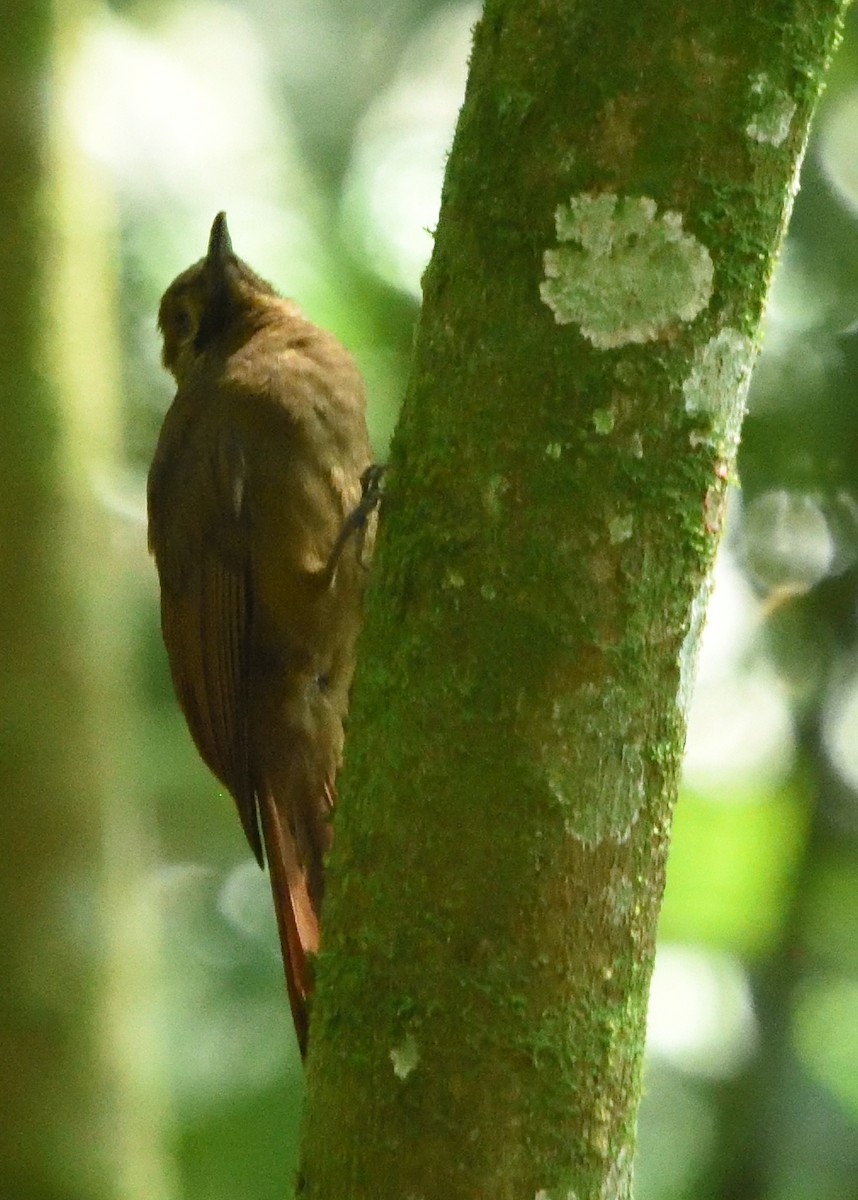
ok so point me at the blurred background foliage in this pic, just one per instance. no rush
(321, 126)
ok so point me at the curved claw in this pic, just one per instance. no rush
(355, 522)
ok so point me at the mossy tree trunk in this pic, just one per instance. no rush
(617, 190)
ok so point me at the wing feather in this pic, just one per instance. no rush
(198, 536)
(206, 631)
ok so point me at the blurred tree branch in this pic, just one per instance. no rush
(615, 197)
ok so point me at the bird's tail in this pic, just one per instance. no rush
(297, 921)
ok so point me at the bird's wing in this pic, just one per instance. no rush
(206, 619)
(205, 632)
(206, 612)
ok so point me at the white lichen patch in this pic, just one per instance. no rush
(620, 894)
(405, 1057)
(493, 494)
(624, 273)
(773, 112)
(689, 652)
(617, 1184)
(597, 781)
(620, 529)
(716, 390)
(603, 420)
(793, 186)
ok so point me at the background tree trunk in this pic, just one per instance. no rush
(54, 1128)
(81, 1114)
(616, 194)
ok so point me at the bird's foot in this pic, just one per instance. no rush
(355, 522)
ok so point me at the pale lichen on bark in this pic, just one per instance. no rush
(773, 111)
(716, 390)
(623, 273)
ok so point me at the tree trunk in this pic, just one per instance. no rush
(80, 1114)
(617, 190)
(55, 1133)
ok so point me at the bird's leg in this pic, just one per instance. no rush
(355, 522)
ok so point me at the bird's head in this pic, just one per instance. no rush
(211, 300)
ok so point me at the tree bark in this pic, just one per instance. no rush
(617, 191)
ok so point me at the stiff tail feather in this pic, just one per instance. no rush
(296, 921)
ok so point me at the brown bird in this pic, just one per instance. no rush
(258, 496)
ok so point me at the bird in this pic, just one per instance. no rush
(260, 503)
